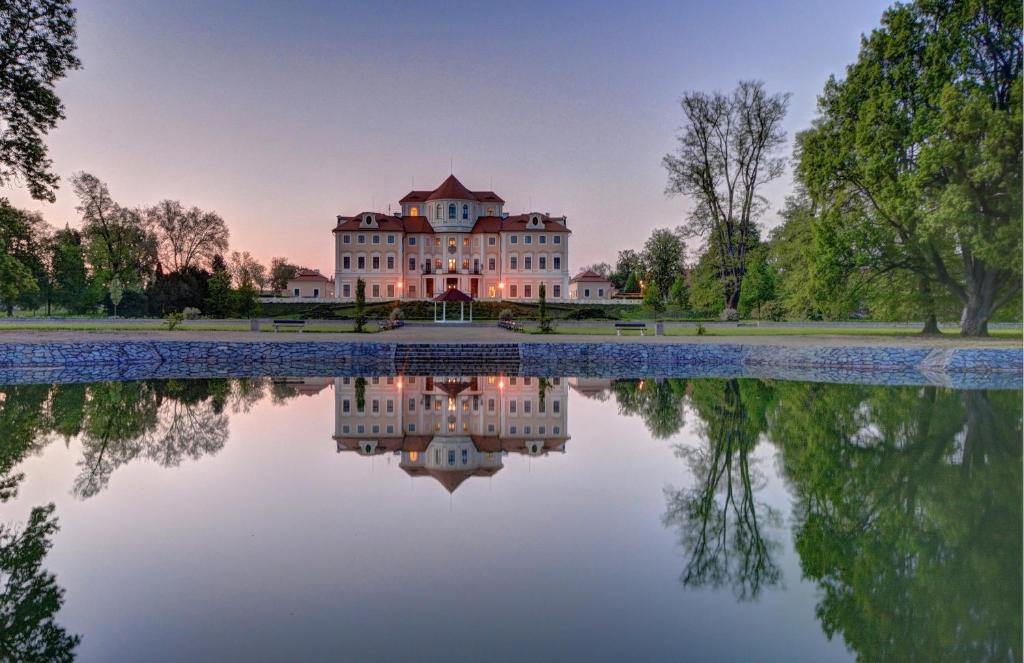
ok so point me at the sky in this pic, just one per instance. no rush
(280, 116)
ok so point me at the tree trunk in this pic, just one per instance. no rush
(974, 321)
(931, 324)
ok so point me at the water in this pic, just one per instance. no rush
(729, 519)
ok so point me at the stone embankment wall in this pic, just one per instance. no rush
(957, 367)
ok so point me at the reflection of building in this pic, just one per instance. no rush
(450, 428)
(596, 388)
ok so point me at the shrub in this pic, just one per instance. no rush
(506, 315)
(591, 313)
(191, 313)
(173, 320)
(396, 314)
(729, 315)
(701, 329)
(772, 310)
(360, 306)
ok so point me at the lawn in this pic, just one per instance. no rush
(160, 325)
(608, 329)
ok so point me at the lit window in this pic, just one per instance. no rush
(414, 211)
(490, 291)
(413, 455)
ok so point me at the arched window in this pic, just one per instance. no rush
(451, 211)
(438, 214)
(465, 211)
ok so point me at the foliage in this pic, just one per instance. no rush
(543, 320)
(591, 313)
(629, 263)
(116, 291)
(31, 597)
(360, 318)
(173, 319)
(396, 314)
(219, 301)
(632, 284)
(71, 287)
(37, 49)
(725, 155)
(506, 315)
(281, 271)
(663, 256)
(915, 160)
(16, 281)
(185, 288)
(186, 236)
(658, 402)
(190, 313)
(247, 271)
(679, 293)
(652, 298)
(729, 315)
(760, 282)
(772, 310)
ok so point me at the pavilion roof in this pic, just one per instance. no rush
(453, 295)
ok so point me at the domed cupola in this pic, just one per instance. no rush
(452, 207)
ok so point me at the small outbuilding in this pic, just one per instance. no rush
(311, 284)
(589, 285)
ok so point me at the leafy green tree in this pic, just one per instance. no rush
(116, 291)
(245, 301)
(629, 263)
(16, 281)
(543, 319)
(69, 276)
(247, 271)
(219, 296)
(281, 271)
(679, 294)
(663, 257)
(725, 156)
(360, 306)
(632, 284)
(760, 287)
(23, 427)
(31, 598)
(705, 285)
(24, 237)
(658, 402)
(652, 298)
(37, 49)
(915, 160)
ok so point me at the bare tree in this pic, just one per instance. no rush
(246, 270)
(725, 154)
(187, 236)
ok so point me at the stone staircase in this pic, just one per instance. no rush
(457, 359)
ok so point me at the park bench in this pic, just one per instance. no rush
(510, 325)
(289, 324)
(626, 326)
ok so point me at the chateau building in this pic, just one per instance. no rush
(451, 428)
(452, 237)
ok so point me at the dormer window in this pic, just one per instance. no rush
(535, 220)
(367, 220)
(414, 211)
(437, 213)
(490, 211)
(465, 211)
(451, 211)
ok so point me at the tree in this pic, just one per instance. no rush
(663, 256)
(679, 294)
(178, 290)
(632, 284)
(31, 597)
(25, 236)
(116, 292)
(916, 157)
(118, 241)
(15, 281)
(543, 320)
(69, 277)
(360, 305)
(219, 302)
(186, 236)
(247, 271)
(725, 155)
(629, 262)
(281, 271)
(37, 48)
(652, 297)
(760, 286)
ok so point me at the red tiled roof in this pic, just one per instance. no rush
(488, 197)
(308, 275)
(453, 295)
(589, 275)
(451, 188)
(415, 197)
(487, 224)
(493, 224)
(409, 224)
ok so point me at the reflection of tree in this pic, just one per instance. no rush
(23, 427)
(908, 516)
(720, 521)
(30, 596)
(658, 402)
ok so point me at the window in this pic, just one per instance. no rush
(376, 290)
(376, 239)
(512, 291)
(557, 239)
(295, 292)
(451, 265)
(346, 290)
(465, 242)
(528, 262)
(391, 290)
(514, 239)
(491, 241)
(600, 292)
(513, 262)
(437, 243)
(465, 211)
(542, 262)
(389, 406)
(361, 238)
(542, 239)
(375, 261)
(557, 262)
(414, 211)
(528, 239)
(412, 239)
(391, 262)
(316, 292)
(361, 262)
(451, 211)
(346, 406)
(465, 262)
(490, 211)
(346, 262)
(412, 405)
(438, 214)
(346, 239)
(490, 263)
(412, 290)
(512, 406)
(391, 239)
(375, 406)
(556, 290)
(527, 291)
(490, 291)
(586, 292)
(556, 407)
(412, 264)
(511, 430)
(527, 407)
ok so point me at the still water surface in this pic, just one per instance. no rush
(496, 518)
